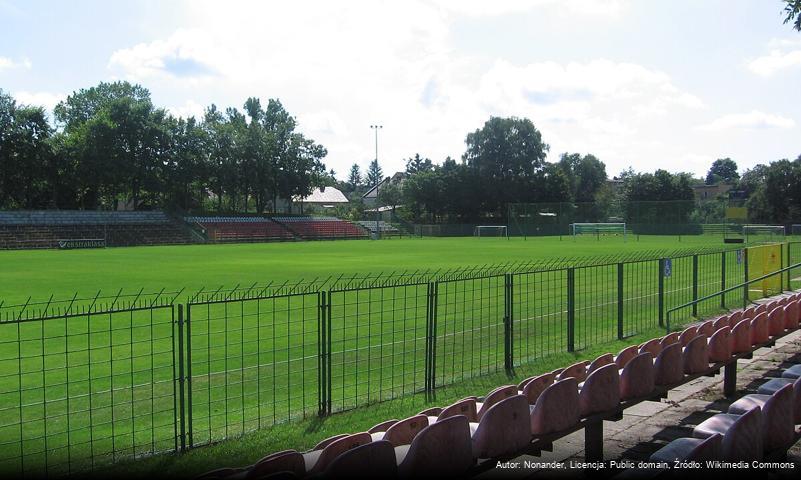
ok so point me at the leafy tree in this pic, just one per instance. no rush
(355, 177)
(390, 195)
(374, 174)
(646, 194)
(723, 170)
(505, 154)
(586, 175)
(25, 155)
(793, 11)
(418, 164)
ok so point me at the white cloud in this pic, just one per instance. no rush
(483, 8)
(48, 100)
(10, 64)
(753, 120)
(776, 61)
(341, 67)
(190, 108)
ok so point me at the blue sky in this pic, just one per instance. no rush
(641, 83)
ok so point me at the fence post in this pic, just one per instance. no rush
(188, 378)
(781, 265)
(723, 280)
(661, 292)
(695, 285)
(789, 271)
(745, 281)
(508, 323)
(431, 341)
(571, 309)
(620, 301)
(322, 348)
(182, 400)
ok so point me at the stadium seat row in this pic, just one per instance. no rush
(526, 418)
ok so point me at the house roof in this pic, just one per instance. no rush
(330, 195)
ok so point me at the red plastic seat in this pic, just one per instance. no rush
(286, 461)
(695, 357)
(374, 459)
(557, 408)
(534, 388)
(668, 368)
(495, 396)
(318, 460)
(577, 371)
(720, 345)
(442, 449)
(505, 429)
(625, 355)
(600, 392)
(760, 331)
(637, 377)
(652, 346)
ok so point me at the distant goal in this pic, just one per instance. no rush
(491, 231)
(764, 233)
(599, 229)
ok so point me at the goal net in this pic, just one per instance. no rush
(599, 229)
(490, 231)
(763, 233)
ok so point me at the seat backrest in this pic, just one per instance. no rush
(495, 396)
(376, 459)
(383, 426)
(624, 356)
(286, 461)
(695, 357)
(797, 401)
(707, 328)
(735, 317)
(743, 440)
(577, 371)
(557, 408)
(777, 419)
(760, 332)
(403, 432)
(688, 334)
(653, 346)
(721, 322)
(535, 387)
(605, 359)
(791, 315)
(668, 369)
(466, 407)
(776, 321)
(749, 313)
(505, 429)
(720, 345)
(669, 339)
(327, 441)
(761, 308)
(637, 378)
(741, 336)
(337, 448)
(600, 392)
(541, 378)
(441, 449)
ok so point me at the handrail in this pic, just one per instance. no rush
(727, 290)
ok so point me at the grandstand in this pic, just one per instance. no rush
(50, 229)
(477, 433)
(222, 229)
(321, 228)
(384, 228)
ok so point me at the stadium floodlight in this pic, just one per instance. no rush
(491, 231)
(763, 233)
(598, 229)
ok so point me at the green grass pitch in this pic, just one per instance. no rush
(79, 392)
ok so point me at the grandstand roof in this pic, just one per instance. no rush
(328, 195)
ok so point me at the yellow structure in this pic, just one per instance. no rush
(762, 260)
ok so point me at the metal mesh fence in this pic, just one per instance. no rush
(125, 377)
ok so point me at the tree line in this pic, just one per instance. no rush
(110, 144)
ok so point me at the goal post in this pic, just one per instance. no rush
(599, 229)
(764, 233)
(491, 231)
